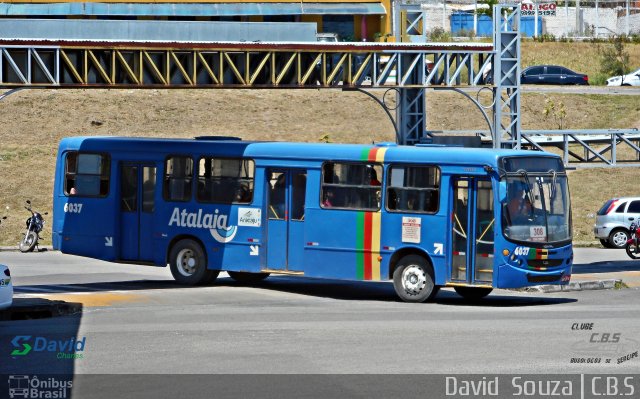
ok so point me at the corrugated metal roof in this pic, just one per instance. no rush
(260, 46)
(190, 9)
(141, 31)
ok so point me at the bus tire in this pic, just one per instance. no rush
(413, 279)
(473, 293)
(189, 265)
(248, 278)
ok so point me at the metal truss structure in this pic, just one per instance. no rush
(593, 147)
(413, 23)
(406, 67)
(506, 75)
(246, 65)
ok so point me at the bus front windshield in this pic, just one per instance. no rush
(537, 207)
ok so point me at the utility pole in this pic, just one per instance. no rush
(578, 24)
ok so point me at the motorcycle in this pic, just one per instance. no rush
(35, 224)
(633, 243)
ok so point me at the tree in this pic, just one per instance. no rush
(487, 11)
(614, 59)
(554, 111)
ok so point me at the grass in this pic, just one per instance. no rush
(581, 57)
(620, 285)
(590, 188)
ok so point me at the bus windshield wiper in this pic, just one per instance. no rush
(528, 188)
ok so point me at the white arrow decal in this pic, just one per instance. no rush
(254, 250)
(437, 248)
(108, 241)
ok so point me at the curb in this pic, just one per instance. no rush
(39, 309)
(41, 248)
(577, 286)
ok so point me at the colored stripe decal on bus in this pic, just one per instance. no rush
(376, 226)
(366, 245)
(368, 235)
(539, 254)
(360, 241)
(369, 230)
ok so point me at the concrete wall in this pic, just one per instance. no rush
(609, 20)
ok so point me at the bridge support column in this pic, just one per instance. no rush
(411, 116)
(506, 76)
(411, 112)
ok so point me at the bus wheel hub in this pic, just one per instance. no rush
(414, 279)
(187, 262)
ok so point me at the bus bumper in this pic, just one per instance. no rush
(510, 276)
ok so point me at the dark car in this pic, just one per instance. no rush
(552, 75)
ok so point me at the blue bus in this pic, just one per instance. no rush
(422, 216)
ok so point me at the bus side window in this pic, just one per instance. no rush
(225, 180)
(299, 186)
(277, 195)
(351, 186)
(413, 189)
(178, 174)
(86, 175)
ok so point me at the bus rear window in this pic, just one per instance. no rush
(413, 189)
(86, 175)
(225, 181)
(178, 174)
(351, 186)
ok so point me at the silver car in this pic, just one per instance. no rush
(613, 220)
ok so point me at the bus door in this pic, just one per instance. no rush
(473, 223)
(137, 205)
(285, 224)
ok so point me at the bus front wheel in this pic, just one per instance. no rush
(473, 293)
(413, 279)
(188, 264)
(248, 278)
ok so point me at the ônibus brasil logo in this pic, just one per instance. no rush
(215, 222)
(64, 349)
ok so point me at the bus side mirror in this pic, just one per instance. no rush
(502, 191)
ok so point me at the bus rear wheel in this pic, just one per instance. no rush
(413, 279)
(473, 293)
(189, 265)
(248, 278)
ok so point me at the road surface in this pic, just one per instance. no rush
(136, 320)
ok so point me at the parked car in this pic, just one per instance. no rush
(613, 221)
(552, 75)
(327, 37)
(6, 287)
(632, 79)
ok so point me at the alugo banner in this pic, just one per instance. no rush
(544, 9)
(442, 386)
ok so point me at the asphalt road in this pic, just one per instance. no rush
(600, 90)
(136, 320)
